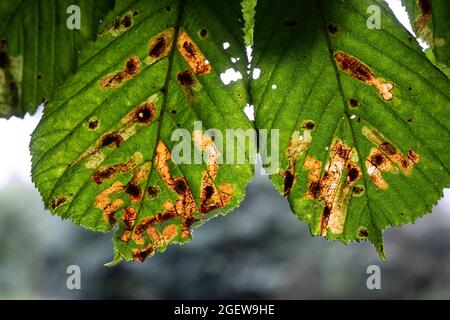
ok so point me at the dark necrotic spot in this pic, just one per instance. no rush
(112, 218)
(203, 33)
(168, 215)
(103, 174)
(341, 151)
(142, 254)
(377, 159)
(208, 192)
(353, 66)
(358, 190)
(132, 66)
(315, 189)
(333, 29)
(308, 125)
(173, 111)
(157, 48)
(135, 13)
(188, 222)
(425, 6)
(145, 113)
(289, 179)
(127, 21)
(93, 124)
(168, 8)
(185, 78)
(153, 192)
(326, 213)
(388, 148)
(353, 174)
(289, 23)
(4, 61)
(180, 186)
(354, 103)
(111, 140)
(409, 120)
(39, 76)
(363, 233)
(133, 191)
(57, 202)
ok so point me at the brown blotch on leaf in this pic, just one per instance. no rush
(289, 179)
(153, 192)
(358, 190)
(425, 6)
(203, 33)
(141, 254)
(329, 186)
(4, 60)
(129, 217)
(333, 29)
(388, 148)
(353, 103)
(360, 71)
(185, 78)
(192, 54)
(104, 174)
(144, 113)
(308, 125)
(354, 67)
(378, 159)
(353, 173)
(134, 191)
(157, 48)
(180, 186)
(132, 66)
(363, 233)
(116, 79)
(119, 24)
(406, 163)
(112, 139)
(166, 215)
(93, 124)
(57, 202)
(144, 225)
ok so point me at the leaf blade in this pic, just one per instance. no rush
(343, 98)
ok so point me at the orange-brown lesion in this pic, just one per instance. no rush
(360, 71)
(192, 54)
(331, 186)
(185, 206)
(385, 156)
(211, 196)
(108, 206)
(297, 146)
(117, 78)
(159, 46)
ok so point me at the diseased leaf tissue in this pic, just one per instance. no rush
(362, 116)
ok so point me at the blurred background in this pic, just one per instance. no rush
(260, 250)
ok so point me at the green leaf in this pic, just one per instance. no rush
(102, 152)
(362, 116)
(37, 49)
(248, 12)
(430, 20)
